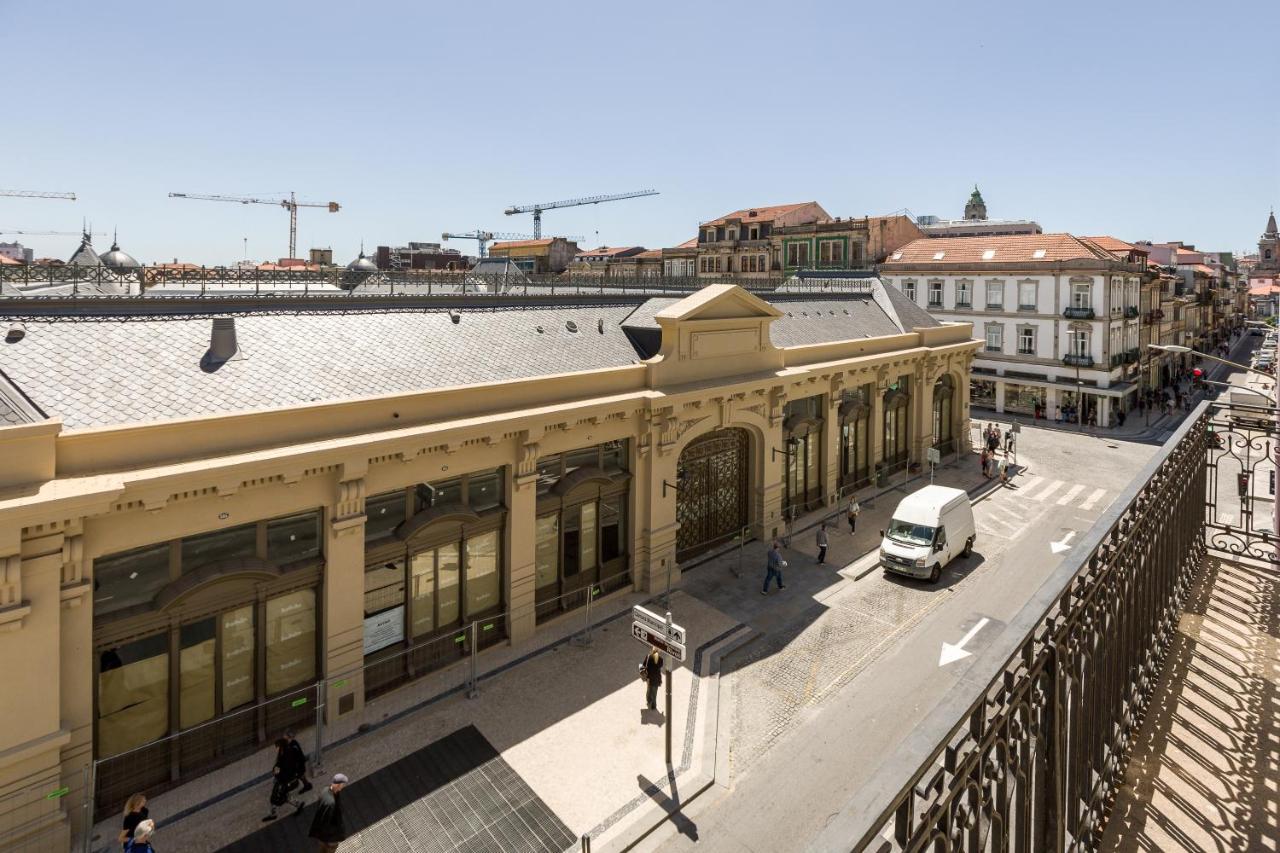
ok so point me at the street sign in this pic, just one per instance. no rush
(658, 623)
(650, 637)
(933, 455)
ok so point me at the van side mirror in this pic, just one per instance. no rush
(881, 534)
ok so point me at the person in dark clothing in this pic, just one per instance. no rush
(298, 758)
(327, 827)
(652, 678)
(286, 775)
(774, 567)
(141, 840)
(135, 812)
(822, 543)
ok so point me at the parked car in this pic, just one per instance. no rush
(929, 528)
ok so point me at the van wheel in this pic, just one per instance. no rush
(935, 574)
(968, 548)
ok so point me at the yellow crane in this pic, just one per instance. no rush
(290, 204)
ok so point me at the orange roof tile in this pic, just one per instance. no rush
(1018, 248)
(1112, 244)
(5, 259)
(762, 214)
(691, 243)
(649, 253)
(522, 244)
(606, 251)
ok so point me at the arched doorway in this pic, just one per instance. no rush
(855, 439)
(713, 476)
(944, 436)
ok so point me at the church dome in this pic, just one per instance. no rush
(117, 260)
(362, 264)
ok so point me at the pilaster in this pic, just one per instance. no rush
(343, 592)
(521, 544)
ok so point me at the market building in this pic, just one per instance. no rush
(212, 512)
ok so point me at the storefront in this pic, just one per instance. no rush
(982, 393)
(1024, 399)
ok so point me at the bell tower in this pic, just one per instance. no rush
(1269, 246)
(976, 209)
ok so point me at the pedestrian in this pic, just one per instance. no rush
(651, 672)
(1057, 414)
(135, 812)
(774, 567)
(1120, 416)
(854, 509)
(993, 440)
(299, 757)
(141, 840)
(1004, 471)
(286, 775)
(822, 543)
(984, 459)
(327, 827)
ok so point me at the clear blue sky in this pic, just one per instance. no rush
(1143, 120)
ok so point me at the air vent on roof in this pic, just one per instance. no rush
(16, 332)
(455, 316)
(600, 325)
(222, 340)
(570, 325)
(988, 254)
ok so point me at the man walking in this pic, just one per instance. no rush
(652, 678)
(775, 566)
(854, 509)
(822, 543)
(327, 827)
(286, 775)
(299, 758)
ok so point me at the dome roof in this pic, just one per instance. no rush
(118, 260)
(362, 264)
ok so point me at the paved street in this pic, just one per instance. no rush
(825, 694)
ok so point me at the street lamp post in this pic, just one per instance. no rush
(1274, 399)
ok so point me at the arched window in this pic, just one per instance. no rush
(802, 431)
(897, 427)
(943, 414)
(855, 439)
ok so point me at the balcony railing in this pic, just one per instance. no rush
(1078, 313)
(1032, 757)
(1073, 360)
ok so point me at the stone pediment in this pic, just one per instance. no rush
(722, 330)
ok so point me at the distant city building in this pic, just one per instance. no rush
(322, 257)
(1269, 246)
(975, 222)
(537, 257)
(16, 252)
(418, 256)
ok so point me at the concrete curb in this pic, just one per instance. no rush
(699, 775)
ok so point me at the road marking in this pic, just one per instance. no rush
(1070, 495)
(1054, 485)
(954, 652)
(1063, 544)
(1093, 498)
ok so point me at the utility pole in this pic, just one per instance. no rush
(666, 659)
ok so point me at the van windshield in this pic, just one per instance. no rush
(911, 534)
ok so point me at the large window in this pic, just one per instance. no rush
(133, 695)
(1026, 296)
(1079, 342)
(944, 414)
(995, 337)
(830, 252)
(935, 294)
(1026, 340)
(964, 293)
(909, 288)
(995, 296)
(797, 254)
(897, 425)
(855, 438)
(802, 430)
(1081, 295)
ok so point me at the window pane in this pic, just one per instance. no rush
(195, 672)
(383, 514)
(133, 695)
(133, 577)
(811, 463)
(615, 456)
(612, 528)
(589, 536)
(447, 583)
(439, 494)
(587, 457)
(572, 539)
(547, 550)
(238, 640)
(294, 538)
(291, 640)
(383, 587)
(484, 490)
(423, 586)
(548, 472)
(209, 548)
(483, 588)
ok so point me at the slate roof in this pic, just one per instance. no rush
(14, 408)
(98, 372)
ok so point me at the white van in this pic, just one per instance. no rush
(929, 528)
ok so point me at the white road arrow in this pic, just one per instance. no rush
(1063, 543)
(954, 652)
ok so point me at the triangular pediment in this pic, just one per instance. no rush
(718, 302)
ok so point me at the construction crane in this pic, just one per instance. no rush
(484, 238)
(536, 209)
(37, 194)
(55, 233)
(290, 204)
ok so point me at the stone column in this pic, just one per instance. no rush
(343, 591)
(922, 418)
(831, 450)
(521, 542)
(999, 395)
(76, 670)
(878, 390)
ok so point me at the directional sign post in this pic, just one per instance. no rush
(660, 624)
(660, 633)
(658, 640)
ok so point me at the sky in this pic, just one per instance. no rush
(1142, 120)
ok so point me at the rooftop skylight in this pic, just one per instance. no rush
(937, 256)
(988, 254)
(1038, 254)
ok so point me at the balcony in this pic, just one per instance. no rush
(1078, 314)
(1073, 360)
(1126, 706)
(1131, 312)
(964, 303)
(1156, 315)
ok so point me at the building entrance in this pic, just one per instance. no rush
(711, 505)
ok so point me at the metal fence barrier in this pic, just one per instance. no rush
(32, 815)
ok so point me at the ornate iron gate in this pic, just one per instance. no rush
(712, 502)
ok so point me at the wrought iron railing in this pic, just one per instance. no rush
(1031, 760)
(1073, 360)
(1078, 313)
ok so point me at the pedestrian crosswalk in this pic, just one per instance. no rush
(1008, 513)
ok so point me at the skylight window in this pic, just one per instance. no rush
(988, 254)
(1038, 254)
(897, 256)
(937, 256)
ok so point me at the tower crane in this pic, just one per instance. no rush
(484, 238)
(54, 233)
(37, 194)
(536, 209)
(290, 204)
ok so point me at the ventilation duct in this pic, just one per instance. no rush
(16, 332)
(222, 342)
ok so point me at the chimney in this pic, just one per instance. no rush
(222, 343)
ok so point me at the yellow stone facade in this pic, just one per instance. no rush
(69, 497)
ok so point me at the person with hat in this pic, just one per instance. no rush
(327, 827)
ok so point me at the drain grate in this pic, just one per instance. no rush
(456, 794)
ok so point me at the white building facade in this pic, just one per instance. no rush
(1058, 315)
